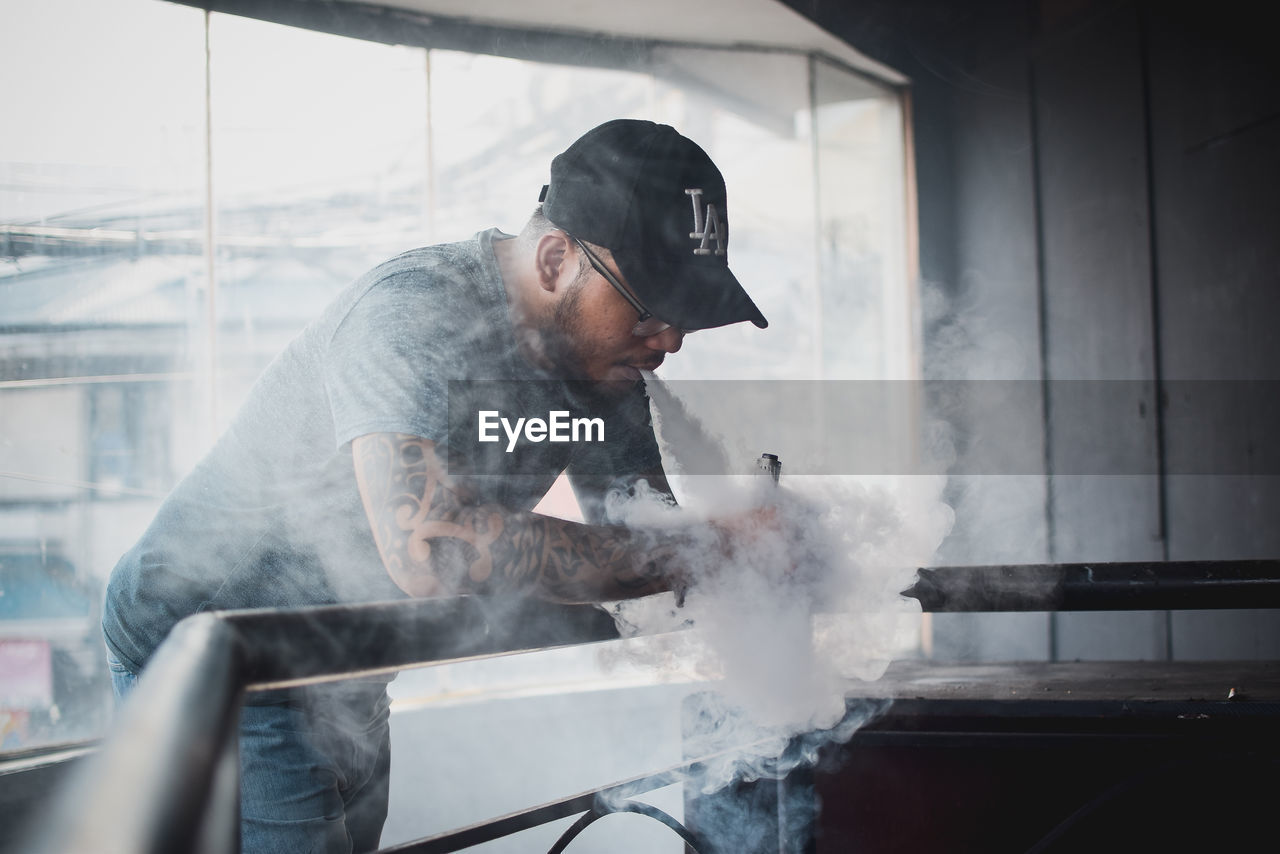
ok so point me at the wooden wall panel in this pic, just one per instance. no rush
(1157, 132)
(1216, 137)
(1092, 173)
(991, 331)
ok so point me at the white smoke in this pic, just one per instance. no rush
(807, 604)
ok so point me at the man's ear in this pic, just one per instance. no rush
(549, 257)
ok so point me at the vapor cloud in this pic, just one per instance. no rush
(787, 626)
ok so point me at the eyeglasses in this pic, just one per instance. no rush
(647, 325)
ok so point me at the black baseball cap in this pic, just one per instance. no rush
(655, 200)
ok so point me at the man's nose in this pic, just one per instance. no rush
(668, 340)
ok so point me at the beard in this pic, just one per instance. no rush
(564, 347)
(561, 337)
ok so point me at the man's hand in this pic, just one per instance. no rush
(778, 539)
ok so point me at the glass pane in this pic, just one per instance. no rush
(319, 173)
(101, 176)
(866, 302)
(496, 124)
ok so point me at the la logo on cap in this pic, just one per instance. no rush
(707, 225)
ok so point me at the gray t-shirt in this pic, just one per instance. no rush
(272, 516)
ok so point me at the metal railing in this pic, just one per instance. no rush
(1132, 586)
(167, 778)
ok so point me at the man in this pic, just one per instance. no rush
(345, 478)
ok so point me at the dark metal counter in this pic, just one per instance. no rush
(1013, 758)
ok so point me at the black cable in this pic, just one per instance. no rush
(600, 810)
(1090, 807)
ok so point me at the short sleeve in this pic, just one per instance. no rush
(387, 366)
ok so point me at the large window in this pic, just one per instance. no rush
(178, 200)
(101, 154)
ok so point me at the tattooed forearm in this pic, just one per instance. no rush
(435, 540)
(579, 563)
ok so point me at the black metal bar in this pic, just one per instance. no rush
(1154, 585)
(692, 843)
(149, 788)
(515, 822)
(506, 825)
(304, 645)
(163, 780)
(487, 831)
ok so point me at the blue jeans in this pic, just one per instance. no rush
(314, 769)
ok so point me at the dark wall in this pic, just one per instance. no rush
(1100, 202)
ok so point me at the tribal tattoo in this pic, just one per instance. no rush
(435, 540)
